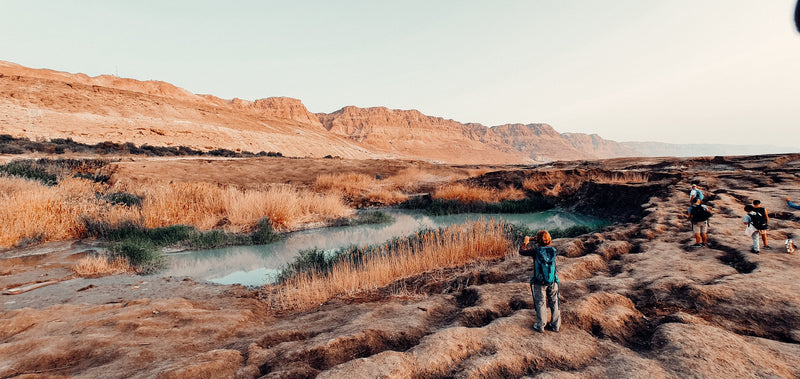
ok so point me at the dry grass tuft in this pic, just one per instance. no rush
(555, 183)
(359, 188)
(101, 265)
(352, 185)
(624, 177)
(454, 246)
(469, 194)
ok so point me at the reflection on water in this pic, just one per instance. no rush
(253, 265)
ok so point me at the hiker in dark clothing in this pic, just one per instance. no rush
(762, 229)
(544, 280)
(699, 215)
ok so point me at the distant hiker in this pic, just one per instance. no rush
(695, 193)
(791, 204)
(762, 227)
(751, 219)
(699, 214)
(544, 279)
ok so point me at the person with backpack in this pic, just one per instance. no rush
(753, 218)
(791, 204)
(699, 214)
(544, 280)
(695, 193)
(763, 223)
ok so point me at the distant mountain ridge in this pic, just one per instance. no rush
(41, 103)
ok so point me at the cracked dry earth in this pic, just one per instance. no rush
(636, 302)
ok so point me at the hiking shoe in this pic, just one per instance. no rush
(766, 247)
(697, 245)
(551, 328)
(537, 328)
(754, 251)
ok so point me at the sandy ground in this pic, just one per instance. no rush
(636, 300)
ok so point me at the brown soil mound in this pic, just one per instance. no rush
(636, 301)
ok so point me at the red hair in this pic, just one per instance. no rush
(543, 238)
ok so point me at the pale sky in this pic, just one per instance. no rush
(676, 71)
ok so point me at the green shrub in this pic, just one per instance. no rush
(138, 251)
(307, 261)
(210, 239)
(29, 170)
(170, 235)
(143, 246)
(321, 261)
(123, 198)
(364, 218)
(264, 233)
(97, 178)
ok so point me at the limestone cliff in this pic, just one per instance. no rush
(41, 103)
(409, 133)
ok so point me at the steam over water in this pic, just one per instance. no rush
(254, 265)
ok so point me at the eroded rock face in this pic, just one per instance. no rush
(410, 133)
(280, 107)
(45, 104)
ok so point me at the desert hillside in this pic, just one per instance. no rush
(47, 104)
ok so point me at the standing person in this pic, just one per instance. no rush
(699, 214)
(544, 280)
(762, 228)
(791, 204)
(752, 218)
(695, 193)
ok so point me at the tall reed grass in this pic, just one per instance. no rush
(469, 194)
(361, 188)
(555, 183)
(34, 212)
(206, 205)
(448, 247)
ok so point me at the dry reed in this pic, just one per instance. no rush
(623, 177)
(555, 183)
(453, 246)
(360, 187)
(204, 206)
(33, 211)
(469, 194)
(101, 265)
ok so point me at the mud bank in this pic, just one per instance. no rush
(636, 301)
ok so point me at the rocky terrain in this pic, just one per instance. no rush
(46, 104)
(636, 300)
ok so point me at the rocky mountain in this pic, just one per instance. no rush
(411, 134)
(47, 104)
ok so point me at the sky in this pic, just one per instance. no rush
(677, 71)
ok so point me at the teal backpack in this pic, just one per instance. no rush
(544, 266)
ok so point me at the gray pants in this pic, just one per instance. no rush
(756, 237)
(539, 291)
